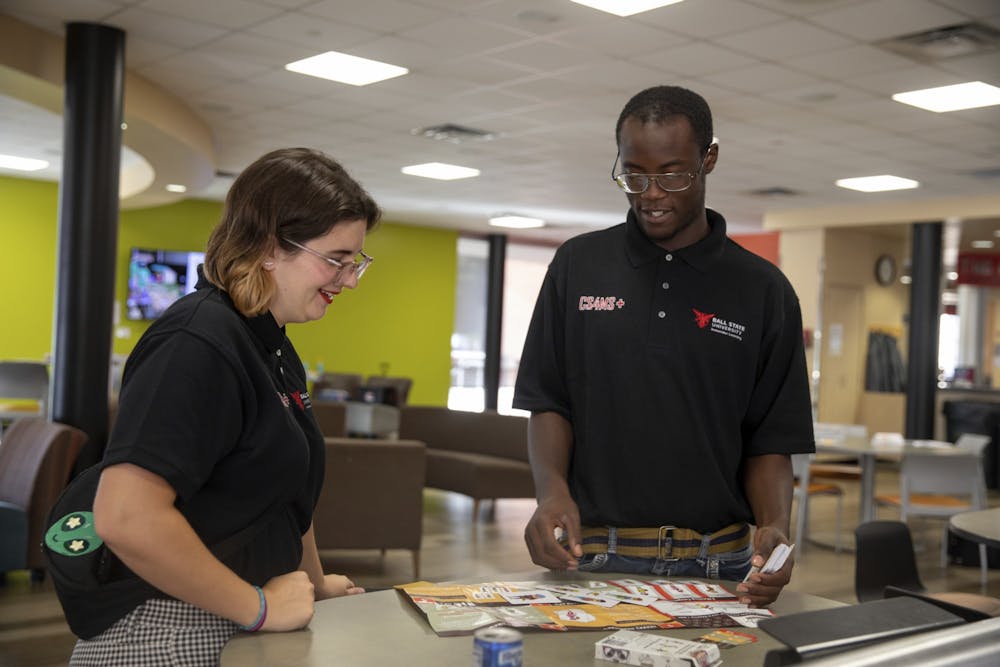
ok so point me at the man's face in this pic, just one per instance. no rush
(671, 219)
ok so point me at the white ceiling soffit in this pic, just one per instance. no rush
(164, 141)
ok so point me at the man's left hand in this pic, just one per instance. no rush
(761, 589)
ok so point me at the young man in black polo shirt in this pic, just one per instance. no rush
(665, 373)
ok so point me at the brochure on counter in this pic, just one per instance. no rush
(617, 604)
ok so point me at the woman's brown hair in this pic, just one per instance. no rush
(291, 193)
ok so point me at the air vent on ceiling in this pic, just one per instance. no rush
(222, 173)
(948, 42)
(455, 134)
(775, 191)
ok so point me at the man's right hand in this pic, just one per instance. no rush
(290, 602)
(540, 537)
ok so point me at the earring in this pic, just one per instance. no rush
(268, 266)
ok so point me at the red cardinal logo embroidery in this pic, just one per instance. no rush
(702, 318)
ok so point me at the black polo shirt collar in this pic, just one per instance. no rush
(263, 326)
(701, 255)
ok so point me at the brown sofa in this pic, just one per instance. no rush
(36, 459)
(480, 454)
(331, 417)
(372, 496)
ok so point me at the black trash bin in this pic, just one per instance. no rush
(982, 417)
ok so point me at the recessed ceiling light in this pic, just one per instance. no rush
(21, 163)
(882, 183)
(440, 171)
(625, 7)
(982, 244)
(345, 68)
(175, 187)
(516, 222)
(971, 95)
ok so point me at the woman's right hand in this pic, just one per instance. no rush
(290, 602)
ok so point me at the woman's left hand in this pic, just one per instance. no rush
(336, 585)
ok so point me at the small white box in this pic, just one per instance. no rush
(646, 650)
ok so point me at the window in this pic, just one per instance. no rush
(524, 271)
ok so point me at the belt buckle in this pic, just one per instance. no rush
(664, 535)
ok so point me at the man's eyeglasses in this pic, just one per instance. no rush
(357, 266)
(677, 181)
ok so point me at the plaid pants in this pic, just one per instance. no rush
(158, 633)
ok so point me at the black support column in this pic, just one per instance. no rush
(88, 231)
(494, 317)
(925, 300)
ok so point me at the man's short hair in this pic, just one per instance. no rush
(656, 104)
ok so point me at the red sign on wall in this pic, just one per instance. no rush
(978, 269)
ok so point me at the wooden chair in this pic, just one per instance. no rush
(372, 496)
(804, 490)
(938, 485)
(36, 459)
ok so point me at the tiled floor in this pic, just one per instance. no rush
(33, 634)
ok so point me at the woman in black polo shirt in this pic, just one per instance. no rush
(215, 462)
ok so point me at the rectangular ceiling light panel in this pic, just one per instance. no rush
(625, 7)
(971, 95)
(440, 171)
(346, 68)
(882, 183)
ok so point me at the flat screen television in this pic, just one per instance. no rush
(157, 278)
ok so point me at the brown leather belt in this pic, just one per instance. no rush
(665, 542)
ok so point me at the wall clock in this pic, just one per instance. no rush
(885, 269)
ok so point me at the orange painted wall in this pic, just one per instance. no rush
(765, 245)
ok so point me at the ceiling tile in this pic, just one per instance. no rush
(312, 32)
(881, 19)
(786, 39)
(53, 14)
(381, 16)
(541, 17)
(697, 59)
(222, 13)
(850, 61)
(974, 8)
(983, 67)
(915, 77)
(542, 56)
(623, 39)
(710, 18)
(760, 78)
(460, 37)
(144, 24)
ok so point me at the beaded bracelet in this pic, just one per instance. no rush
(261, 615)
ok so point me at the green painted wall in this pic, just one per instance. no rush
(28, 227)
(399, 320)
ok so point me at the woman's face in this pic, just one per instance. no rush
(306, 284)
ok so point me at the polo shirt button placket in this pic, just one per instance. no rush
(669, 257)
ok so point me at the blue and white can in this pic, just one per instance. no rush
(497, 647)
